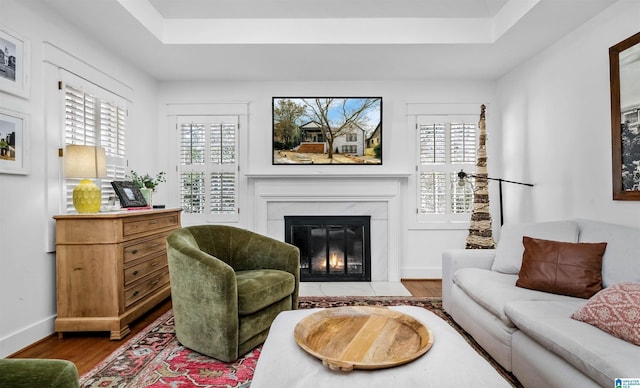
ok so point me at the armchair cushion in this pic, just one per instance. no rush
(259, 288)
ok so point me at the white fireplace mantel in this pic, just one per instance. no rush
(279, 195)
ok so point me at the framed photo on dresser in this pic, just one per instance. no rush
(129, 194)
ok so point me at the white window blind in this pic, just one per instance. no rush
(208, 167)
(94, 116)
(445, 146)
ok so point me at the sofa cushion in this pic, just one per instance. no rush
(493, 290)
(561, 268)
(595, 353)
(619, 263)
(509, 250)
(259, 288)
(615, 310)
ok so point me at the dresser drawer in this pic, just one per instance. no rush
(138, 271)
(145, 248)
(139, 290)
(148, 225)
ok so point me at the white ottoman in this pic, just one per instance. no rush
(451, 361)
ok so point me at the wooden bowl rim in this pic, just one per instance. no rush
(310, 324)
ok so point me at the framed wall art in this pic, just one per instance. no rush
(14, 142)
(14, 63)
(624, 64)
(129, 194)
(327, 130)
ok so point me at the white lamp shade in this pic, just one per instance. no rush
(81, 161)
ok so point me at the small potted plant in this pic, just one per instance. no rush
(147, 183)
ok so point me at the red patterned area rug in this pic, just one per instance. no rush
(154, 357)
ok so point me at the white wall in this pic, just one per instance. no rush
(27, 271)
(556, 128)
(421, 248)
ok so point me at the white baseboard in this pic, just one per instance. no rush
(19, 340)
(421, 273)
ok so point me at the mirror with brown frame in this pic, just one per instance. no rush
(624, 62)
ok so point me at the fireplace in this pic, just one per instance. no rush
(332, 248)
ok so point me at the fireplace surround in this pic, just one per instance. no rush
(277, 196)
(332, 248)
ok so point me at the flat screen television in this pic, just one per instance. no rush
(327, 130)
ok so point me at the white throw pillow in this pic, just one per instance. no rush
(510, 249)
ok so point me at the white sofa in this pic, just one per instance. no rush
(531, 333)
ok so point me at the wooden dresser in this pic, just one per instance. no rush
(111, 268)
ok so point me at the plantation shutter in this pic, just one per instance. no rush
(208, 167)
(113, 122)
(94, 116)
(445, 146)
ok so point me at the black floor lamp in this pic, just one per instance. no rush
(463, 175)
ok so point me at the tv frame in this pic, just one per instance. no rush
(287, 152)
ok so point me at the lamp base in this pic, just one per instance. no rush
(87, 197)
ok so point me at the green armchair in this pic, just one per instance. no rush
(227, 286)
(36, 372)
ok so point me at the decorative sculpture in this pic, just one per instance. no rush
(480, 233)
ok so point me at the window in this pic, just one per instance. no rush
(349, 149)
(352, 137)
(446, 145)
(208, 167)
(94, 116)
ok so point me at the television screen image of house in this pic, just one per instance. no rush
(327, 130)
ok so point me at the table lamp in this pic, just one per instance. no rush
(85, 162)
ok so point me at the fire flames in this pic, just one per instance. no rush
(335, 263)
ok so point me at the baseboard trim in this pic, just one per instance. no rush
(421, 273)
(25, 337)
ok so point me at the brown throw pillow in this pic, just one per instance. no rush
(564, 268)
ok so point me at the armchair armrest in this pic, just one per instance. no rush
(46, 373)
(203, 292)
(454, 259)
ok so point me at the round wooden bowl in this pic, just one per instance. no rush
(362, 337)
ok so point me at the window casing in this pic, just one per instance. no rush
(208, 167)
(94, 116)
(446, 145)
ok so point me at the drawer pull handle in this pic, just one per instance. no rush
(134, 251)
(136, 293)
(155, 282)
(154, 245)
(135, 273)
(154, 263)
(152, 222)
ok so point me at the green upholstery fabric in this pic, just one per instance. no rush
(227, 286)
(35, 372)
(259, 288)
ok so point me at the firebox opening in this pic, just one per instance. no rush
(332, 248)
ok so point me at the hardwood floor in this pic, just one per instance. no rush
(423, 287)
(86, 350)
